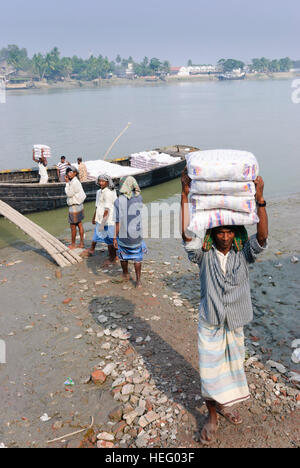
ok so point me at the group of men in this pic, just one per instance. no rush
(61, 168)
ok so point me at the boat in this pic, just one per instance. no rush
(21, 190)
(232, 76)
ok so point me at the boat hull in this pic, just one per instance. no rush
(28, 197)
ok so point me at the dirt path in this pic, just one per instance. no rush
(68, 327)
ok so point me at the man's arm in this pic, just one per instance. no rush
(193, 246)
(45, 162)
(33, 156)
(185, 214)
(262, 226)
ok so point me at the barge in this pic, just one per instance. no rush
(21, 189)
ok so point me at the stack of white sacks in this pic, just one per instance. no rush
(147, 160)
(38, 151)
(98, 167)
(222, 189)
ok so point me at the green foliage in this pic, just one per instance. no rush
(264, 65)
(231, 64)
(53, 67)
(15, 57)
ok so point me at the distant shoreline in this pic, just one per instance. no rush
(101, 83)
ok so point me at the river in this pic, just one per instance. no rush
(258, 116)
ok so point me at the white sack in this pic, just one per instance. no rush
(203, 220)
(98, 167)
(223, 164)
(223, 187)
(148, 160)
(212, 202)
(38, 151)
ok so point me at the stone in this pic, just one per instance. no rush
(104, 444)
(127, 389)
(142, 441)
(130, 417)
(143, 422)
(116, 414)
(151, 416)
(109, 368)
(105, 436)
(277, 366)
(119, 428)
(57, 425)
(67, 301)
(106, 346)
(102, 318)
(98, 377)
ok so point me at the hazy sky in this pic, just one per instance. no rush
(203, 30)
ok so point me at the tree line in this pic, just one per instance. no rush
(51, 66)
(260, 65)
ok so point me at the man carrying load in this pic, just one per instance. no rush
(225, 307)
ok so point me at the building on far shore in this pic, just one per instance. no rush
(195, 70)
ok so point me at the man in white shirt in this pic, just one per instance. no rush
(75, 198)
(103, 217)
(42, 162)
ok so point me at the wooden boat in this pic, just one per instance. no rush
(21, 188)
(232, 76)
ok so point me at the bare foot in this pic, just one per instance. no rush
(123, 279)
(90, 252)
(208, 433)
(138, 285)
(81, 246)
(110, 261)
(72, 246)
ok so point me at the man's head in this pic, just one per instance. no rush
(63, 159)
(223, 237)
(79, 160)
(71, 173)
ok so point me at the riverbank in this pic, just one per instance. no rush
(100, 83)
(141, 348)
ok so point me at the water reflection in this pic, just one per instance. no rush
(56, 221)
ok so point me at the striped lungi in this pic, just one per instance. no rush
(221, 362)
(133, 253)
(76, 214)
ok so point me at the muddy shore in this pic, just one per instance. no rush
(71, 84)
(140, 347)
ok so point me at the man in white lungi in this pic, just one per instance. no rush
(225, 307)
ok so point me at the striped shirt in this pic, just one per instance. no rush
(225, 298)
(62, 167)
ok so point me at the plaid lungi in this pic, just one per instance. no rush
(221, 362)
(76, 214)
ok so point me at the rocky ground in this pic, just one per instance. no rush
(118, 367)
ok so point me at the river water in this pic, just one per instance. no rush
(258, 116)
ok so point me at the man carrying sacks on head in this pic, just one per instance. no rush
(225, 307)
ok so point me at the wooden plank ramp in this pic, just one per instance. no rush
(62, 255)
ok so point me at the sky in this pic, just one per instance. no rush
(201, 30)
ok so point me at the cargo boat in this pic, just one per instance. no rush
(21, 189)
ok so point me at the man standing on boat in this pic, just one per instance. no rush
(83, 174)
(42, 162)
(61, 168)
